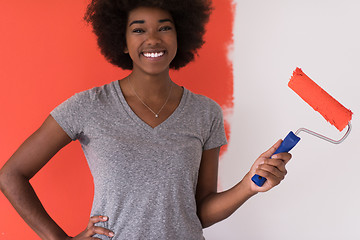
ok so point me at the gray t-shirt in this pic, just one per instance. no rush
(145, 178)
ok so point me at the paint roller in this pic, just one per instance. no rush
(320, 101)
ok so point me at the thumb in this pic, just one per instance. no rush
(272, 149)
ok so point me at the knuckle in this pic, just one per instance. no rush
(268, 168)
(102, 231)
(277, 162)
(92, 229)
(263, 173)
(280, 164)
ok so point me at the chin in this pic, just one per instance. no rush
(154, 70)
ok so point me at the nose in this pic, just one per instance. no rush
(153, 38)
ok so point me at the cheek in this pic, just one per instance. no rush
(131, 47)
(133, 55)
(173, 42)
(130, 44)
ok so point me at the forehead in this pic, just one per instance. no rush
(148, 14)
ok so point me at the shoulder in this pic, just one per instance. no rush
(86, 101)
(93, 96)
(204, 104)
(98, 93)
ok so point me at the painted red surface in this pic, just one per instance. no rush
(333, 111)
(47, 53)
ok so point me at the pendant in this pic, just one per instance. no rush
(156, 115)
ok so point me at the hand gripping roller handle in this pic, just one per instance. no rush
(291, 140)
(287, 144)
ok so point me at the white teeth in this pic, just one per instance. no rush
(153, 55)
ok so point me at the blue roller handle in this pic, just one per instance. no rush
(288, 143)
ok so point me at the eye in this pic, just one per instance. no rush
(165, 28)
(138, 30)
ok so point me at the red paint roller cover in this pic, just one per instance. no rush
(319, 100)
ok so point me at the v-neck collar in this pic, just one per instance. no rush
(139, 121)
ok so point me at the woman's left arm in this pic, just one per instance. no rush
(213, 206)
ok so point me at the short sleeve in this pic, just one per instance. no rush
(217, 136)
(71, 115)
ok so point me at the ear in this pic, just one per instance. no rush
(126, 51)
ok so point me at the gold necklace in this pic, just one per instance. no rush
(156, 114)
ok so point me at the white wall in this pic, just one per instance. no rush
(319, 198)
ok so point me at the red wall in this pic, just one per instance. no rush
(47, 53)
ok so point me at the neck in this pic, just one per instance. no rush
(151, 86)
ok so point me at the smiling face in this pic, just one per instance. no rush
(151, 39)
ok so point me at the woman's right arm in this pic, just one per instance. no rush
(15, 175)
(30, 157)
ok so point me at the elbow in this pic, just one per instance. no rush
(206, 224)
(8, 179)
(2, 184)
(208, 221)
(4, 181)
(205, 221)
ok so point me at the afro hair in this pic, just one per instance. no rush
(109, 19)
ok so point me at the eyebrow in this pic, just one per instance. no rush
(143, 21)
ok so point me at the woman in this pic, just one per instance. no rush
(152, 146)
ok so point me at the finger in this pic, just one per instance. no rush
(267, 170)
(100, 230)
(271, 150)
(267, 154)
(283, 156)
(90, 229)
(272, 179)
(96, 219)
(278, 163)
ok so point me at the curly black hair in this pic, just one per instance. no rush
(109, 19)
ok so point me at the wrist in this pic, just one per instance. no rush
(247, 186)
